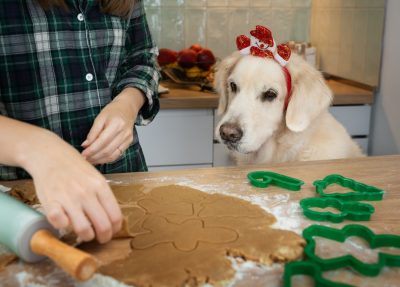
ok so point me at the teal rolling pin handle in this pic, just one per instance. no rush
(18, 223)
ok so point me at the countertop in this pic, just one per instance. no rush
(192, 98)
(382, 172)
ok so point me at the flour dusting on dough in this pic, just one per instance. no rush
(288, 214)
(4, 188)
(99, 280)
(268, 275)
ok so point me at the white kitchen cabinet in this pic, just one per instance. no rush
(221, 155)
(356, 119)
(178, 138)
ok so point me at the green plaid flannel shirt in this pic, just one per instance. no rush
(59, 68)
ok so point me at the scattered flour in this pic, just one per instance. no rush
(4, 188)
(25, 279)
(102, 281)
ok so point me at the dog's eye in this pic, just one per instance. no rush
(233, 87)
(269, 95)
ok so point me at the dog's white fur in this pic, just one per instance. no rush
(305, 131)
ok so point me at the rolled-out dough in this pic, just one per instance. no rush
(26, 193)
(6, 259)
(185, 237)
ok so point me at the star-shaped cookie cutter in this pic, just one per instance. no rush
(311, 269)
(360, 191)
(350, 210)
(340, 235)
(263, 179)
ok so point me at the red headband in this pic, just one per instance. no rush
(262, 44)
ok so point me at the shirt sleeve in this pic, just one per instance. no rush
(138, 68)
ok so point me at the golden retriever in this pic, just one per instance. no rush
(256, 126)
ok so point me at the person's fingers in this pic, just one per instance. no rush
(99, 219)
(56, 215)
(110, 205)
(113, 150)
(108, 150)
(104, 138)
(79, 221)
(107, 158)
(126, 144)
(98, 126)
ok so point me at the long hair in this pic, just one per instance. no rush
(120, 8)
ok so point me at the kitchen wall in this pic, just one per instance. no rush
(176, 24)
(385, 131)
(348, 35)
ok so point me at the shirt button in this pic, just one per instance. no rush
(80, 17)
(89, 77)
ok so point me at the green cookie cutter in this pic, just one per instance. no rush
(340, 235)
(360, 191)
(350, 210)
(263, 179)
(310, 269)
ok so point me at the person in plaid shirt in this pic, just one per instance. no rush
(75, 78)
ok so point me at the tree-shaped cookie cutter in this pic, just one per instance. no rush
(340, 235)
(263, 179)
(311, 269)
(355, 211)
(360, 191)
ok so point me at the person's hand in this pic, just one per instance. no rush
(112, 130)
(72, 192)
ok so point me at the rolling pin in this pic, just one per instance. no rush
(28, 234)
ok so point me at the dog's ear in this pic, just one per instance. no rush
(223, 70)
(310, 95)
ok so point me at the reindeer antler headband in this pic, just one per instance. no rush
(262, 44)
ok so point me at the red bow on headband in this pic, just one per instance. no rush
(262, 44)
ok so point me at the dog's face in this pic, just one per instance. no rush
(252, 97)
(256, 91)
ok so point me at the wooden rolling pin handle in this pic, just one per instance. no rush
(77, 263)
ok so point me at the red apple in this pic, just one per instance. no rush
(187, 58)
(196, 47)
(167, 56)
(205, 59)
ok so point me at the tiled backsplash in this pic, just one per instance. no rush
(348, 35)
(216, 23)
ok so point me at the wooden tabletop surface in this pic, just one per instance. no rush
(382, 172)
(192, 98)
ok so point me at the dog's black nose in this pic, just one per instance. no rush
(230, 132)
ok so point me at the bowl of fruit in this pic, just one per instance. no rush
(189, 66)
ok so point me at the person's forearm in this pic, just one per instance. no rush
(21, 143)
(132, 98)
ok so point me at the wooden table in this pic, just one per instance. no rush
(382, 172)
